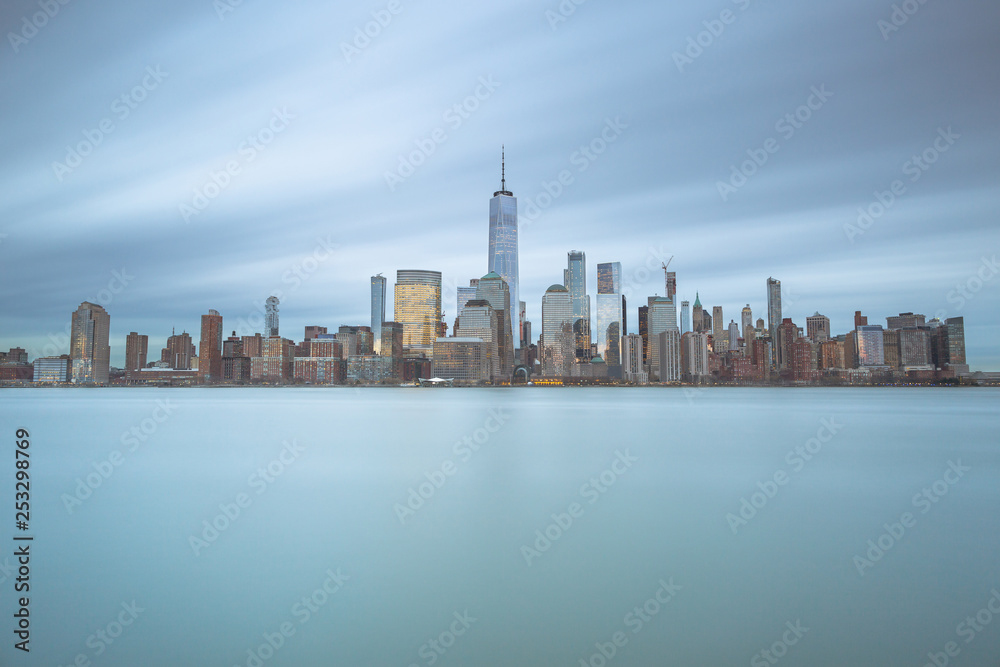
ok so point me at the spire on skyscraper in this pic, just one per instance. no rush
(503, 174)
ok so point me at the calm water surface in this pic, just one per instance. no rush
(539, 526)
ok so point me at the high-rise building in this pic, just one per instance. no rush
(557, 342)
(671, 280)
(465, 295)
(610, 327)
(720, 338)
(253, 346)
(633, 366)
(136, 349)
(746, 322)
(915, 351)
(818, 327)
(697, 315)
(662, 317)
(494, 290)
(956, 340)
(576, 282)
(417, 307)
(694, 355)
(503, 246)
(179, 351)
(609, 278)
(734, 336)
(525, 326)
(235, 364)
(481, 321)
(271, 317)
(90, 350)
(788, 333)
(859, 319)
(644, 332)
(669, 353)
(871, 346)
(773, 313)
(210, 347)
(904, 320)
(685, 317)
(378, 309)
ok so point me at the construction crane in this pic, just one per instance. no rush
(666, 281)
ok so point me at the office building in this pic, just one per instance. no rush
(480, 320)
(685, 317)
(464, 360)
(644, 332)
(905, 320)
(90, 350)
(669, 355)
(575, 276)
(662, 317)
(53, 369)
(557, 342)
(503, 246)
(734, 336)
(417, 307)
(494, 290)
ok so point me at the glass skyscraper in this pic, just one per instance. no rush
(575, 276)
(417, 307)
(609, 278)
(557, 332)
(610, 312)
(494, 290)
(503, 247)
(378, 309)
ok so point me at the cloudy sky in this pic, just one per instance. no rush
(167, 159)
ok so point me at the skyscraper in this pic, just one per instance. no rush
(746, 321)
(720, 339)
(662, 317)
(480, 321)
(697, 316)
(773, 312)
(644, 331)
(610, 312)
(685, 317)
(465, 294)
(576, 282)
(271, 317)
(417, 307)
(671, 284)
(89, 349)
(558, 343)
(871, 345)
(378, 309)
(503, 246)
(633, 369)
(818, 327)
(136, 349)
(179, 351)
(494, 290)
(210, 347)
(609, 278)
(734, 335)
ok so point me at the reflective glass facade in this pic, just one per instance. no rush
(417, 308)
(609, 278)
(557, 349)
(271, 316)
(773, 308)
(575, 279)
(609, 327)
(503, 250)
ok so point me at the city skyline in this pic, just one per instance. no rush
(608, 165)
